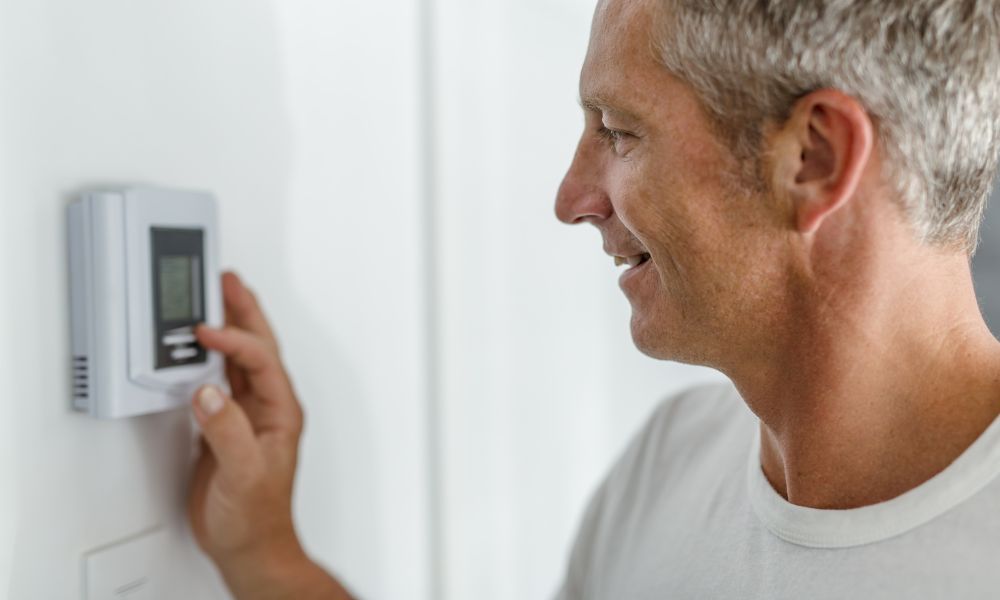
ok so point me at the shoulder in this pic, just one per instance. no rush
(689, 432)
(688, 414)
(686, 430)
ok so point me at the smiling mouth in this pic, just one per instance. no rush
(632, 261)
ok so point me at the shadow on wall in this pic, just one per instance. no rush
(986, 265)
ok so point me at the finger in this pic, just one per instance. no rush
(261, 366)
(243, 310)
(237, 380)
(227, 430)
(244, 349)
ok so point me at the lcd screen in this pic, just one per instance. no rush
(176, 292)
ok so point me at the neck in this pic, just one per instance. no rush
(878, 385)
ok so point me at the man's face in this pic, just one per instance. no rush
(653, 178)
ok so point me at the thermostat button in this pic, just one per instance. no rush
(184, 353)
(179, 339)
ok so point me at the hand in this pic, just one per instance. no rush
(241, 496)
(240, 503)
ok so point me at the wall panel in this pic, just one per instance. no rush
(540, 384)
(225, 96)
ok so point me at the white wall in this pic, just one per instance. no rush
(8, 448)
(352, 325)
(444, 458)
(541, 386)
(220, 95)
(104, 92)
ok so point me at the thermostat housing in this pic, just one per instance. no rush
(143, 272)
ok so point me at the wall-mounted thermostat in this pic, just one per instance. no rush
(143, 273)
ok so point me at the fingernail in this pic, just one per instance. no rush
(210, 400)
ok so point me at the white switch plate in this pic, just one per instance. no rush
(130, 570)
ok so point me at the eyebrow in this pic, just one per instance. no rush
(598, 104)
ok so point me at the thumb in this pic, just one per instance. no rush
(227, 430)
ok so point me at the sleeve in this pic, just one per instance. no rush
(584, 571)
(603, 528)
(575, 585)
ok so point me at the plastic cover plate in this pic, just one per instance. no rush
(131, 570)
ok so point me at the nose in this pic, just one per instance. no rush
(581, 198)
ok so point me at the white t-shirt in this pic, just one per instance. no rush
(687, 513)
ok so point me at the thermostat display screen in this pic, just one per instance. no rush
(178, 294)
(177, 287)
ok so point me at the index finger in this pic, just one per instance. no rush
(271, 403)
(243, 310)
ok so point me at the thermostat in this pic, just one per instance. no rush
(143, 273)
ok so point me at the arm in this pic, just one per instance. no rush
(289, 574)
(241, 493)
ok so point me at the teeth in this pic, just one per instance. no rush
(631, 261)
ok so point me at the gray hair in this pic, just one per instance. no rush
(927, 72)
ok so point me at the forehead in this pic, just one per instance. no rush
(620, 58)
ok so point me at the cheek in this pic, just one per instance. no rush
(663, 225)
(644, 202)
(668, 198)
(692, 253)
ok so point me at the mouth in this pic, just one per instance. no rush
(634, 261)
(637, 264)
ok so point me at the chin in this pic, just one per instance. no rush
(656, 339)
(650, 341)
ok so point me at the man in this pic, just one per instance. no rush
(795, 187)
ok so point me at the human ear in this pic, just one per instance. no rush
(822, 152)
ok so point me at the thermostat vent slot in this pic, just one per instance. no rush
(81, 379)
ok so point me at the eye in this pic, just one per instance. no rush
(616, 139)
